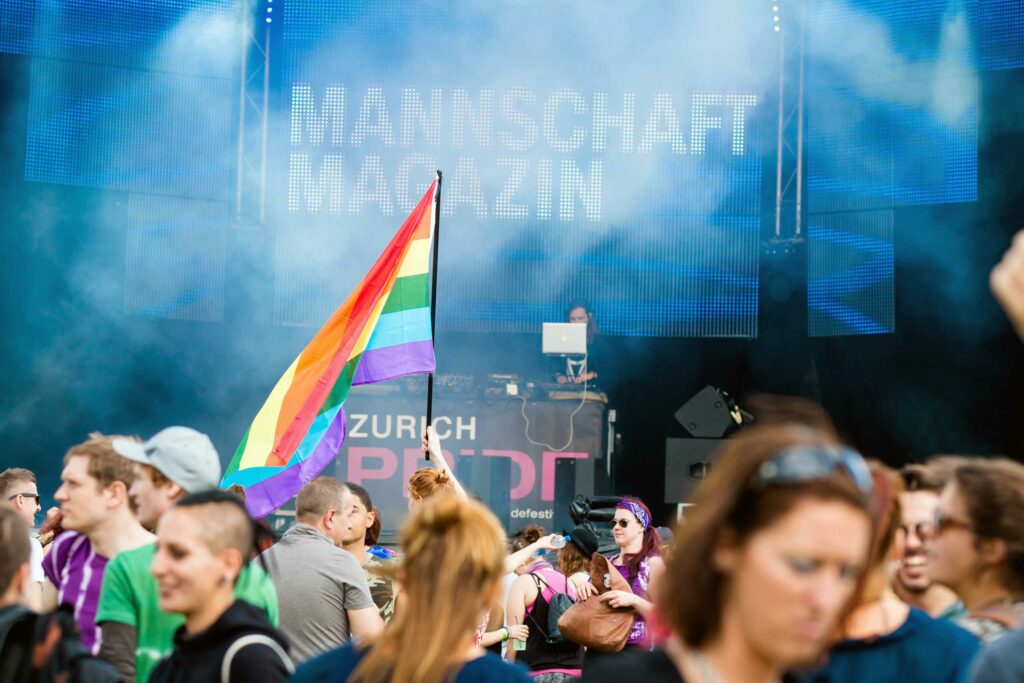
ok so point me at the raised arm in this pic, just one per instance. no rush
(1007, 281)
(432, 447)
(523, 554)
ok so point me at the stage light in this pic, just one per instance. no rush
(268, 20)
(777, 29)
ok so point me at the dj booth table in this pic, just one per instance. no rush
(484, 437)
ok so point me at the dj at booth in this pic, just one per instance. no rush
(573, 367)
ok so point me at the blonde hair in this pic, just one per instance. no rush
(427, 482)
(105, 464)
(453, 556)
(12, 476)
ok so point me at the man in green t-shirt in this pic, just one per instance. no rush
(136, 634)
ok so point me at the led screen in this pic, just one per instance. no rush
(588, 151)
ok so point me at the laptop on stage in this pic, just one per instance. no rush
(564, 339)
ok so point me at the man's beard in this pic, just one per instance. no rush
(916, 586)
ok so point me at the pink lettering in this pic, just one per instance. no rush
(527, 471)
(547, 472)
(357, 473)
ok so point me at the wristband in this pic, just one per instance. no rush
(505, 634)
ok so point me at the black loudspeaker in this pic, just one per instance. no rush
(596, 513)
(593, 509)
(706, 415)
(687, 462)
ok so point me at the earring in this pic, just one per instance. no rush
(222, 580)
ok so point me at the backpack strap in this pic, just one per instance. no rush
(529, 612)
(245, 641)
(538, 580)
(565, 580)
(538, 577)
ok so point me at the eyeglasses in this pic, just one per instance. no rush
(802, 464)
(623, 523)
(943, 522)
(35, 496)
(921, 529)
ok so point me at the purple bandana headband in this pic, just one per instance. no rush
(638, 512)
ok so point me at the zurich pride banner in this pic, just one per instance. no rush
(485, 443)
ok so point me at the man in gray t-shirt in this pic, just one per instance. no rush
(321, 589)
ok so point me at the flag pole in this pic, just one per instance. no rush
(433, 296)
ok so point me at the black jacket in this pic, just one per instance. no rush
(198, 659)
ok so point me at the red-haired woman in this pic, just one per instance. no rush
(639, 555)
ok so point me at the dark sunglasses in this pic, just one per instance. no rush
(25, 495)
(802, 464)
(943, 522)
(620, 522)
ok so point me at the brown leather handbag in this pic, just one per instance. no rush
(593, 623)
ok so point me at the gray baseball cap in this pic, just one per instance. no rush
(181, 454)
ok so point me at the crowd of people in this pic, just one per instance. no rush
(800, 561)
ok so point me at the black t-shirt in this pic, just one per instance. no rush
(633, 665)
(596, 362)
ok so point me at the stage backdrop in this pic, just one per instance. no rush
(606, 150)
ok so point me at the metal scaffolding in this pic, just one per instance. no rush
(253, 113)
(789, 185)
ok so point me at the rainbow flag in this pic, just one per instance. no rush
(382, 331)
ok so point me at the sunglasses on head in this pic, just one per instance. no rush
(807, 463)
(944, 522)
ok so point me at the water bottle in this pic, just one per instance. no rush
(559, 542)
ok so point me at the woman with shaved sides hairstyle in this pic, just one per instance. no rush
(766, 566)
(202, 544)
(453, 560)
